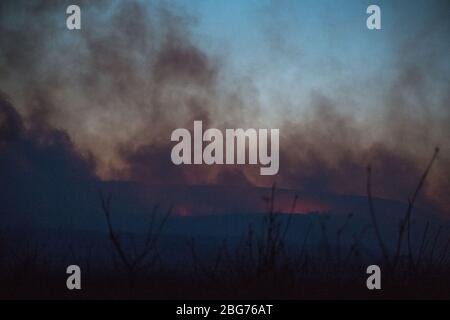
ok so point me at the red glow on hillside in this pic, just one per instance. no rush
(182, 210)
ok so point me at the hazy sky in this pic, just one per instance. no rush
(291, 48)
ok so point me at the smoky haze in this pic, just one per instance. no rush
(115, 91)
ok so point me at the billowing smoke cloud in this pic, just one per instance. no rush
(42, 174)
(135, 72)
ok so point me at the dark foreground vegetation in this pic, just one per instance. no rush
(262, 264)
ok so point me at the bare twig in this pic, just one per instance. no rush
(406, 220)
(135, 260)
(374, 220)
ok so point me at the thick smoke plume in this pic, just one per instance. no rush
(118, 88)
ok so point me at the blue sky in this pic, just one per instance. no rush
(293, 48)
